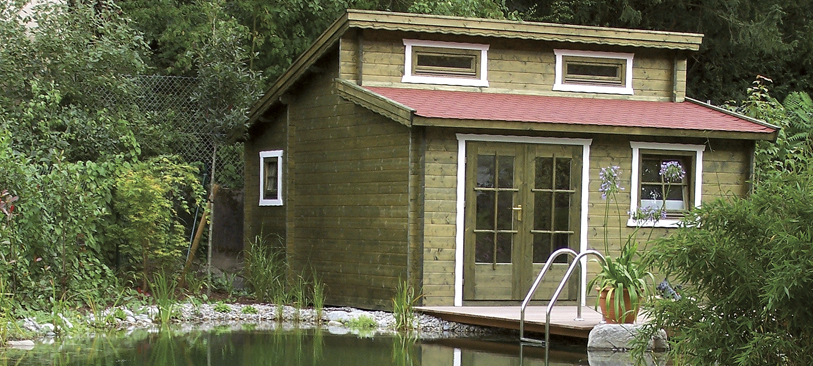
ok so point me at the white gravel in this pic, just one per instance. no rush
(204, 316)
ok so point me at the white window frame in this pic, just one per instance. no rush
(409, 77)
(560, 85)
(271, 154)
(664, 148)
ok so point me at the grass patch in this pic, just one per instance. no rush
(248, 309)
(403, 305)
(361, 322)
(163, 291)
(222, 307)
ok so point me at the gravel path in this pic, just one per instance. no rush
(263, 316)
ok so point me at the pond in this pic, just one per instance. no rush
(289, 347)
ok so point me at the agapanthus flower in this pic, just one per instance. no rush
(609, 177)
(672, 171)
(648, 214)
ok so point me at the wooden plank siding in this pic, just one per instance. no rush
(726, 168)
(440, 210)
(266, 222)
(349, 215)
(514, 66)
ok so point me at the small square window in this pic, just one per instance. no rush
(659, 190)
(271, 178)
(593, 72)
(447, 63)
(654, 188)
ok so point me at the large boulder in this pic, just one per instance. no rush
(618, 337)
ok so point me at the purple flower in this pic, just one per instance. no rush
(609, 177)
(672, 171)
(648, 214)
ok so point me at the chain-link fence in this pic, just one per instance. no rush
(169, 103)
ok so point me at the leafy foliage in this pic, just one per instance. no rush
(149, 199)
(748, 265)
(742, 38)
(226, 87)
(793, 148)
(466, 8)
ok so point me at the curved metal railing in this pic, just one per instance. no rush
(535, 286)
(576, 263)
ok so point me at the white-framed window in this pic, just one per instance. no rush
(271, 178)
(651, 189)
(446, 63)
(593, 72)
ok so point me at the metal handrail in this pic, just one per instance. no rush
(535, 286)
(576, 262)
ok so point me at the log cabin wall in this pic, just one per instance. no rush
(373, 58)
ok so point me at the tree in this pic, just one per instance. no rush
(743, 38)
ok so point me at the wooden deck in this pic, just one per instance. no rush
(561, 318)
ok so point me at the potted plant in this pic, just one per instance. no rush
(622, 284)
(622, 280)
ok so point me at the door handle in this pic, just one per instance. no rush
(518, 209)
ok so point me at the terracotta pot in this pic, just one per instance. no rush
(609, 313)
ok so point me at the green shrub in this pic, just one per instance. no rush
(248, 309)
(221, 307)
(361, 322)
(149, 198)
(748, 276)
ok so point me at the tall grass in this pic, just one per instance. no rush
(5, 310)
(299, 294)
(264, 269)
(403, 306)
(163, 290)
(318, 297)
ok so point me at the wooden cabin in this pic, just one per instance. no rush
(458, 153)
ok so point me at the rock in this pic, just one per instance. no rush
(615, 337)
(338, 330)
(24, 345)
(611, 358)
(47, 327)
(337, 316)
(67, 323)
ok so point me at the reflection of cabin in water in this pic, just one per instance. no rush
(459, 153)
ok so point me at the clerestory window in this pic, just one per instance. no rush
(593, 72)
(448, 63)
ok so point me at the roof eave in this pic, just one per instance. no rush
(524, 30)
(589, 129)
(735, 114)
(299, 67)
(375, 102)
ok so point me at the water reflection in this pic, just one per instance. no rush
(289, 347)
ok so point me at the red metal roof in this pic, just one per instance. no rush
(564, 110)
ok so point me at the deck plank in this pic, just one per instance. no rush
(562, 318)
